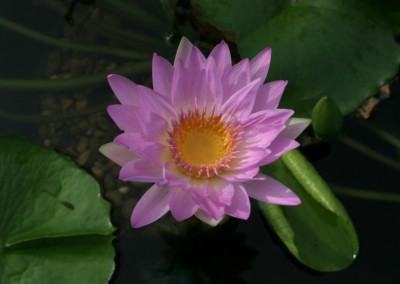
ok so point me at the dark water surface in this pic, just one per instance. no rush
(237, 251)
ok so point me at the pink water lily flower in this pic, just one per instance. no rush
(201, 135)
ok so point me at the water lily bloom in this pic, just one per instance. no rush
(201, 135)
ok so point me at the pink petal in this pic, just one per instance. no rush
(162, 76)
(241, 102)
(194, 60)
(134, 120)
(203, 89)
(173, 176)
(235, 78)
(249, 158)
(130, 140)
(263, 130)
(197, 188)
(190, 55)
(260, 135)
(269, 116)
(180, 90)
(195, 87)
(180, 204)
(271, 191)
(240, 206)
(221, 191)
(214, 84)
(269, 95)
(141, 170)
(294, 127)
(206, 218)
(124, 89)
(215, 210)
(153, 102)
(279, 147)
(240, 175)
(184, 48)
(127, 118)
(222, 57)
(118, 154)
(152, 206)
(199, 90)
(154, 127)
(259, 65)
(153, 152)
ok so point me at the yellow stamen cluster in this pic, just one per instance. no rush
(202, 145)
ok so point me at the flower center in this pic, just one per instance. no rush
(202, 145)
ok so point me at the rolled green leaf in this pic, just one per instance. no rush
(319, 233)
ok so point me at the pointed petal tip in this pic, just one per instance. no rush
(183, 50)
(272, 191)
(267, 53)
(185, 40)
(222, 46)
(296, 201)
(263, 57)
(136, 225)
(303, 121)
(295, 126)
(204, 217)
(289, 201)
(117, 153)
(104, 148)
(259, 65)
(151, 207)
(155, 57)
(112, 77)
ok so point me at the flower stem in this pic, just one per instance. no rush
(129, 37)
(133, 39)
(53, 118)
(91, 48)
(135, 12)
(74, 83)
(388, 137)
(369, 152)
(366, 194)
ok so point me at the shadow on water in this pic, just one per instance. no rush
(193, 254)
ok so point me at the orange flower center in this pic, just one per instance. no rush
(202, 145)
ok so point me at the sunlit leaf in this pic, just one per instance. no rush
(54, 226)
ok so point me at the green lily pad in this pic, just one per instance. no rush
(54, 226)
(319, 233)
(341, 49)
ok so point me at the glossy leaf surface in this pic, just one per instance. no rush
(319, 233)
